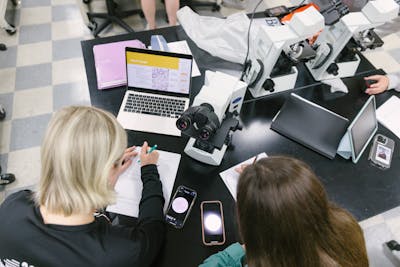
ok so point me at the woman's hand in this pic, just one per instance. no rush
(148, 158)
(241, 168)
(123, 164)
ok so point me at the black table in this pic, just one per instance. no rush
(362, 189)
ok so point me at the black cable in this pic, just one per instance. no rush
(248, 39)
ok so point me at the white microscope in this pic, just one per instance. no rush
(212, 118)
(275, 50)
(334, 59)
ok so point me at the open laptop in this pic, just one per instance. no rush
(360, 132)
(158, 85)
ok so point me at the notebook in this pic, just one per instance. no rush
(388, 115)
(158, 86)
(129, 184)
(231, 176)
(109, 60)
(310, 125)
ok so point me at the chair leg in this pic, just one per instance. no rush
(98, 15)
(112, 16)
(122, 24)
(101, 27)
(124, 14)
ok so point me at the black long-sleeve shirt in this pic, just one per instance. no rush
(25, 240)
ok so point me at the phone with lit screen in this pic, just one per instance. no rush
(180, 206)
(212, 223)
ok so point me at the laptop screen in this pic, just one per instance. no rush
(158, 70)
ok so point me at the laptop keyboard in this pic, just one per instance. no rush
(153, 105)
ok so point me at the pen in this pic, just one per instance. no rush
(150, 150)
(255, 159)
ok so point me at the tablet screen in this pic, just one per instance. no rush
(363, 128)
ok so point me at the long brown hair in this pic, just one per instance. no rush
(285, 219)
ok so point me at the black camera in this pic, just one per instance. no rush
(200, 118)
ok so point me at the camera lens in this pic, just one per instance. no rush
(183, 123)
(381, 139)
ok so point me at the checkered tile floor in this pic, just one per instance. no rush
(42, 71)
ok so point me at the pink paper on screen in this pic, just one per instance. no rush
(109, 60)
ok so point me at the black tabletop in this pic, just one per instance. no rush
(361, 188)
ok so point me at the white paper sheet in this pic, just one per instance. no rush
(388, 114)
(129, 185)
(231, 177)
(182, 47)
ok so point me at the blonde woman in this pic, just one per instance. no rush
(83, 153)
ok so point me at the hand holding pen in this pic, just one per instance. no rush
(243, 166)
(148, 155)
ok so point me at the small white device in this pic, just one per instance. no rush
(381, 152)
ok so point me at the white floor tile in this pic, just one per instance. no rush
(392, 41)
(7, 78)
(32, 102)
(35, 15)
(9, 40)
(68, 29)
(25, 164)
(67, 71)
(32, 54)
(5, 131)
(64, 2)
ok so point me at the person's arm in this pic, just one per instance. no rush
(150, 229)
(383, 83)
(394, 81)
(231, 256)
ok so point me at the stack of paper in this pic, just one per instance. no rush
(129, 185)
(388, 114)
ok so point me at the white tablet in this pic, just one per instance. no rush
(360, 132)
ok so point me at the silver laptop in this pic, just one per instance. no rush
(158, 85)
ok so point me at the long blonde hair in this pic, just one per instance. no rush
(80, 147)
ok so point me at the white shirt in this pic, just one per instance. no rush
(394, 81)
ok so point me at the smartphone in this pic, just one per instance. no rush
(381, 151)
(212, 223)
(276, 11)
(180, 206)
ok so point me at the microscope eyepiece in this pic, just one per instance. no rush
(183, 123)
(202, 118)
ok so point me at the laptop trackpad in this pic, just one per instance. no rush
(148, 123)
